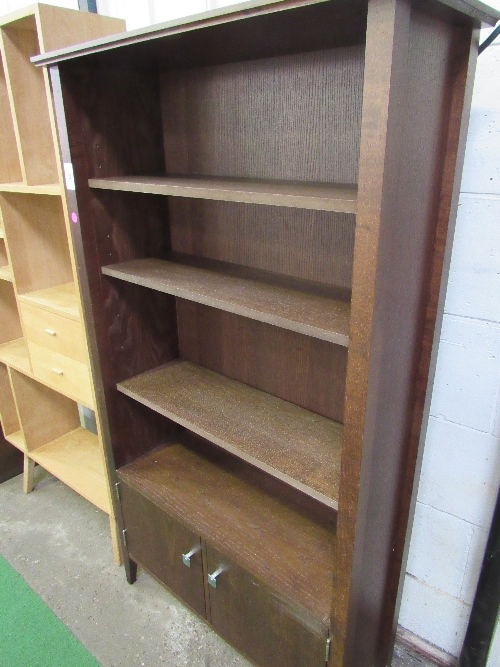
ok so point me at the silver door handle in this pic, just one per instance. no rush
(51, 332)
(58, 371)
(186, 558)
(212, 578)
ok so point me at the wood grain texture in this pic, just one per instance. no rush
(59, 334)
(19, 43)
(264, 627)
(15, 354)
(53, 189)
(37, 239)
(10, 167)
(299, 369)
(316, 196)
(225, 38)
(45, 414)
(157, 541)
(8, 412)
(287, 543)
(62, 28)
(59, 300)
(9, 315)
(311, 245)
(243, 293)
(6, 273)
(17, 439)
(76, 459)
(118, 229)
(398, 209)
(248, 122)
(299, 447)
(62, 373)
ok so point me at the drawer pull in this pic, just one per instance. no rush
(186, 558)
(212, 578)
(51, 332)
(58, 371)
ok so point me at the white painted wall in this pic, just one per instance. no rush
(461, 467)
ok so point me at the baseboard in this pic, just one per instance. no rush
(424, 648)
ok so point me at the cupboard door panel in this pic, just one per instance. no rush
(258, 622)
(157, 542)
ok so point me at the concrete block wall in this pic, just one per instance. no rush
(461, 466)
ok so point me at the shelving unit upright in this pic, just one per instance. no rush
(44, 364)
(266, 198)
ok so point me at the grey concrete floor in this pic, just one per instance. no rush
(59, 543)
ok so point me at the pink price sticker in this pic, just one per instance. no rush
(74, 217)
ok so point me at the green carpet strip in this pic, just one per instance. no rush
(30, 634)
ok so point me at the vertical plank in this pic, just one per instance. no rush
(403, 210)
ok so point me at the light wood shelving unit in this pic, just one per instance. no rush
(44, 363)
(266, 207)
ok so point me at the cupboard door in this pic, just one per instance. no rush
(258, 622)
(158, 543)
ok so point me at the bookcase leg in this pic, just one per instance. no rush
(115, 541)
(29, 468)
(131, 569)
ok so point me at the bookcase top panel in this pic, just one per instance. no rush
(336, 22)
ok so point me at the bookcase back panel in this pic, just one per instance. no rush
(8, 412)
(38, 243)
(293, 117)
(314, 245)
(303, 370)
(9, 314)
(10, 167)
(20, 42)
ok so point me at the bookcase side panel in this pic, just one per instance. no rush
(399, 211)
(109, 124)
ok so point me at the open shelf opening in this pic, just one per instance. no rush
(27, 85)
(10, 167)
(215, 493)
(8, 412)
(301, 448)
(56, 440)
(38, 243)
(9, 315)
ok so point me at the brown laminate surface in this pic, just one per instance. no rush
(252, 296)
(240, 511)
(295, 445)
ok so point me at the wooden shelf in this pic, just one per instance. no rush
(17, 439)
(61, 300)
(243, 291)
(294, 445)
(294, 194)
(22, 188)
(76, 459)
(235, 507)
(15, 354)
(6, 273)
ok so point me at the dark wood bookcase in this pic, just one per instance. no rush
(264, 200)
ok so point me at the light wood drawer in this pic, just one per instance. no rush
(55, 332)
(63, 374)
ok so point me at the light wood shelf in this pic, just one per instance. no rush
(61, 300)
(315, 196)
(294, 445)
(76, 459)
(53, 189)
(258, 295)
(6, 273)
(17, 439)
(213, 493)
(15, 354)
